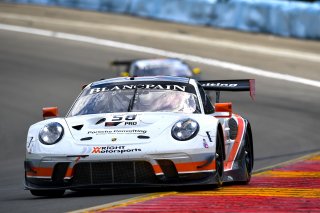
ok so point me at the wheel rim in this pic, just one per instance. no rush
(248, 155)
(219, 158)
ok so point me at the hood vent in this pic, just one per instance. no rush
(86, 139)
(78, 127)
(101, 121)
(143, 137)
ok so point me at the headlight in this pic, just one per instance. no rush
(51, 133)
(185, 129)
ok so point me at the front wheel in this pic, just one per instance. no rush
(219, 159)
(48, 193)
(248, 158)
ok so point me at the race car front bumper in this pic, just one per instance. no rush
(78, 172)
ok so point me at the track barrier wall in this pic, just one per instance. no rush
(279, 17)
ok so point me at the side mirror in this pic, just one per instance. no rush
(223, 110)
(49, 112)
(196, 71)
(84, 86)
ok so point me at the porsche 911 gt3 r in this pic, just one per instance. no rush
(143, 131)
(155, 67)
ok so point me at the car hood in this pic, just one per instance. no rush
(120, 128)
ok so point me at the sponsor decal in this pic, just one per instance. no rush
(117, 131)
(113, 149)
(205, 144)
(122, 119)
(130, 123)
(218, 85)
(139, 86)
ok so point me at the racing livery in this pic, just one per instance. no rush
(141, 131)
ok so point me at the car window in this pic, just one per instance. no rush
(207, 105)
(105, 102)
(165, 101)
(159, 67)
(137, 98)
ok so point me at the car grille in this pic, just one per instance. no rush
(168, 168)
(126, 172)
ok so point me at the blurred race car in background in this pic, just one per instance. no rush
(141, 131)
(154, 67)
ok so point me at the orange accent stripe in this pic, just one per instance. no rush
(223, 107)
(188, 167)
(69, 173)
(157, 169)
(235, 147)
(47, 172)
(39, 171)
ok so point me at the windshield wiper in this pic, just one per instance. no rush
(132, 99)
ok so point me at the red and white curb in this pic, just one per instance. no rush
(292, 187)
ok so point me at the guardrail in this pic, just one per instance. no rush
(279, 17)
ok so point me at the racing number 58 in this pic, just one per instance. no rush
(122, 118)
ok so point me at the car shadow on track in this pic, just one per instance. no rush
(140, 190)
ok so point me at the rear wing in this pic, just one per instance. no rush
(123, 63)
(239, 85)
(122, 66)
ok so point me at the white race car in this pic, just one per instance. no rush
(140, 131)
(155, 67)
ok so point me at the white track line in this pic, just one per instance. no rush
(220, 43)
(164, 53)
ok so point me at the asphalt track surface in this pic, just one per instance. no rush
(37, 71)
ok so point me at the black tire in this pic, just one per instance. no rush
(248, 157)
(219, 159)
(48, 193)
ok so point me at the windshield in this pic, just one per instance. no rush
(161, 68)
(135, 100)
